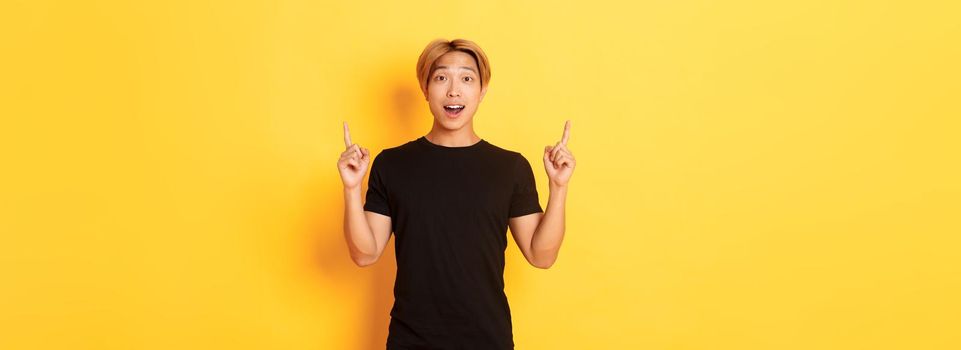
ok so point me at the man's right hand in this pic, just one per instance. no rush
(353, 162)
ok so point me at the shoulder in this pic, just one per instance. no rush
(503, 152)
(514, 158)
(391, 155)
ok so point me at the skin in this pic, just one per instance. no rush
(454, 80)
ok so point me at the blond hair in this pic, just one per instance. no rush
(439, 47)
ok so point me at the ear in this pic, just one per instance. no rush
(483, 92)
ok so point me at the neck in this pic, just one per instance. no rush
(452, 138)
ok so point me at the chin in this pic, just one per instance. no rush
(452, 124)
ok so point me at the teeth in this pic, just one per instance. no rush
(454, 106)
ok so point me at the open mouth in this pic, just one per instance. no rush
(453, 110)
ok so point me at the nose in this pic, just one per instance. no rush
(452, 91)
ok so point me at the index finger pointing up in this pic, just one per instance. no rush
(567, 133)
(347, 135)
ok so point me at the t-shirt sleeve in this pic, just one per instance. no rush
(377, 200)
(524, 200)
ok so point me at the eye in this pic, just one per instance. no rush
(468, 79)
(440, 77)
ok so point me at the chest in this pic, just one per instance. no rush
(459, 188)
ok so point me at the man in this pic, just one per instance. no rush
(449, 197)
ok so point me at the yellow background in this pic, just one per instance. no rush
(751, 174)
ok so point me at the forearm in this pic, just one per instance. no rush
(547, 238)
(360, 239)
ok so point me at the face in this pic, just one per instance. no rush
(454, 90)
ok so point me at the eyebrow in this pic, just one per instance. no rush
(465, 67)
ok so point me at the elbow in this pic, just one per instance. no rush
(364, 261)
(542, 259)
(543, 264)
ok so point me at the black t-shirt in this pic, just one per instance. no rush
(449, 208)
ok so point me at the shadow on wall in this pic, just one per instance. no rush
(397, 122)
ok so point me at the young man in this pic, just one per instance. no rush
(449, 197)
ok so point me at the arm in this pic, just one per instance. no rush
(366, 232)
(539, 235)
